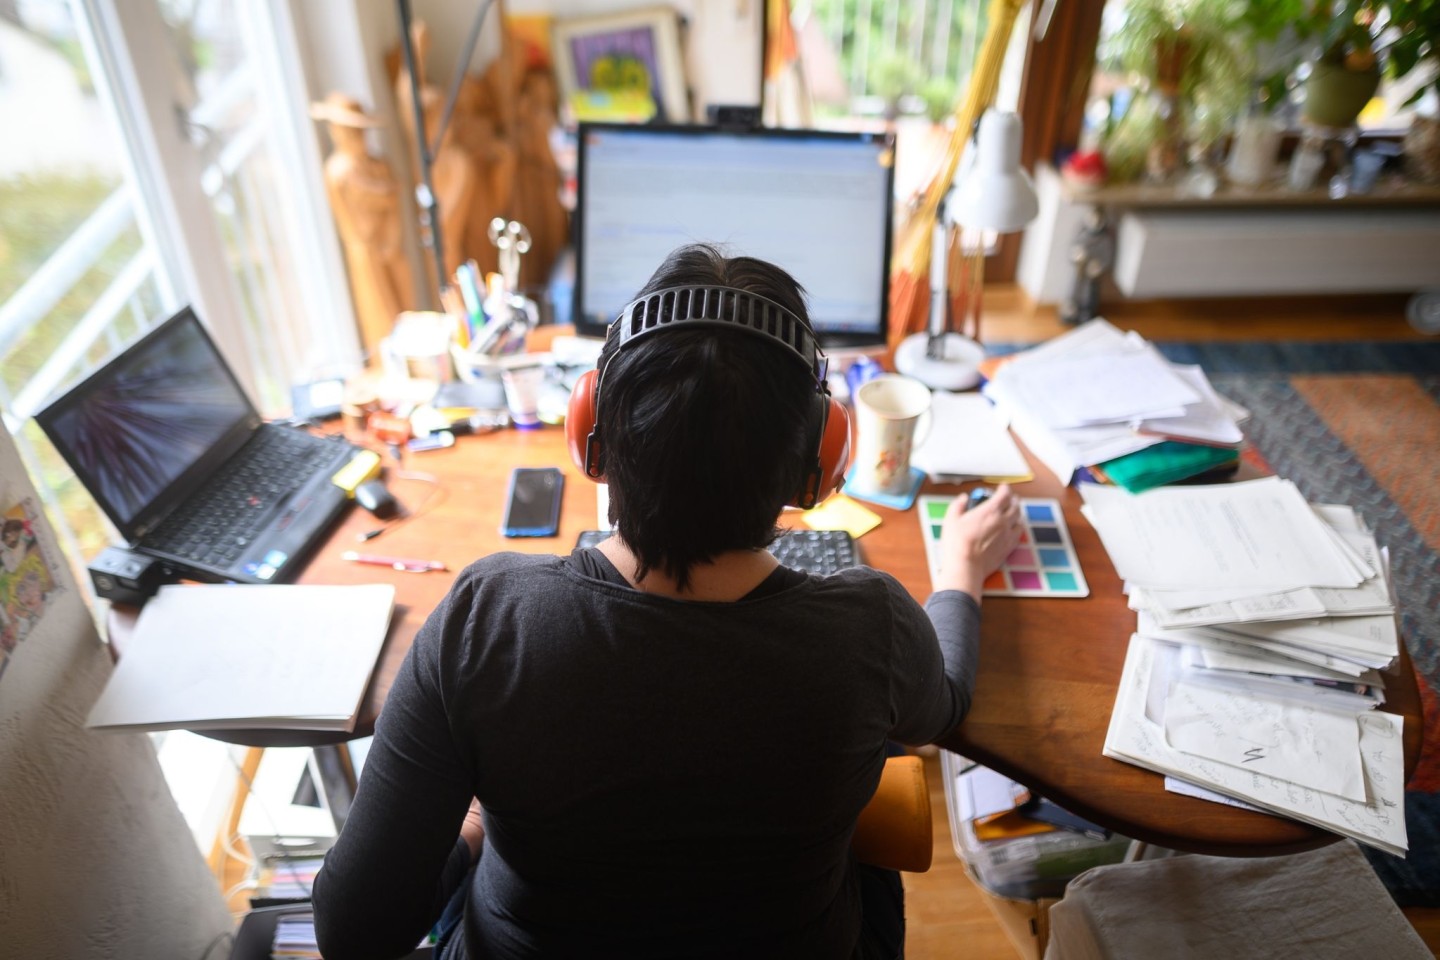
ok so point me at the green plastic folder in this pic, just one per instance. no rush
(1166, 462)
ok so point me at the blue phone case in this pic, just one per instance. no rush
(532, 502)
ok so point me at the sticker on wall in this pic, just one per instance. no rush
(27, 578)
(1043, 564)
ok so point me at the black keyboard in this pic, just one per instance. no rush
(819, 552)
(216, 524)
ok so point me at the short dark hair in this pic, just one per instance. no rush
(705, 431)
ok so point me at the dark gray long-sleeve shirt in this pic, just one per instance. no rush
(658, 777)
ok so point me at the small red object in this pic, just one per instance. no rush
(1085, 166)
(389, 428)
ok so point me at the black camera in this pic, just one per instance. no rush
(123, 576)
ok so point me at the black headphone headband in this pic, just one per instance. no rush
(696, 306)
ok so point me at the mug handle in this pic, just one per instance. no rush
(922, 428)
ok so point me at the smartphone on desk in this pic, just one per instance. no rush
(532, 502)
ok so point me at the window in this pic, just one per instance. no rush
(152, 160)
(114, 214)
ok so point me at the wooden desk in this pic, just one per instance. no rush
(1048, 668)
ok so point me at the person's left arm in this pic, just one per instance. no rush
(396, 861)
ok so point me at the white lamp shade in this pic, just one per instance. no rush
(995, 192)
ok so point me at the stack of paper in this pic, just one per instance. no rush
(1263, 621)
(295, 938)
(1095, 394)
(214, 657)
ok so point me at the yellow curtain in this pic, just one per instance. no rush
(910, 275)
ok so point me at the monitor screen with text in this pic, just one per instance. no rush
(816, 203)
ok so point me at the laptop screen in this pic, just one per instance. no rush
(150, 426)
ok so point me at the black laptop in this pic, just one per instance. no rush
(177, 456)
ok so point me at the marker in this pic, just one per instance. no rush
(977, 496)
(403, 564)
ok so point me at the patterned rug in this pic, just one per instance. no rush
(1359, 423)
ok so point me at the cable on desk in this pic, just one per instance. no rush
(433, 498)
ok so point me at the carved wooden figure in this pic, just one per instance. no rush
(494, 160)
(365, 200)
(537, 185)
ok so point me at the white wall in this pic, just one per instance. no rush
(96, 861)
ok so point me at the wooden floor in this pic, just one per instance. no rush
(947, 914)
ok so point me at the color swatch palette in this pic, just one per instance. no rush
(1043, 565)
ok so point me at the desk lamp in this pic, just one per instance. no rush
(994, 193)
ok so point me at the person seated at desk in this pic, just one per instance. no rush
(669, 735)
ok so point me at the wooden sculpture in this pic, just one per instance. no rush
(494, 160)
(365, 200)
(501, 125)
(537, 184)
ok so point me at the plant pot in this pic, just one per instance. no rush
(1334, 96)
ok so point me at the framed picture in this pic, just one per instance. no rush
(622, 66)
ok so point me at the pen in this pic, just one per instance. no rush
(403, 564)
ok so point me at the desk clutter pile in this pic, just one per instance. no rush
(1253, 675)
(1107, 406)
(1263, 621)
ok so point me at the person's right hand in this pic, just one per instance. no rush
(973, 543)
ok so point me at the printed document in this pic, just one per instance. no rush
(1261, 533)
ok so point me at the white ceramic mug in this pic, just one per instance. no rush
(889, 409)
(419, 346)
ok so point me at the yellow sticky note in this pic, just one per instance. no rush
(842, 513)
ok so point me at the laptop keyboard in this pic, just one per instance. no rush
(820, 552)
(218, 523)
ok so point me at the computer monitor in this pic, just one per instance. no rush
(817, 203)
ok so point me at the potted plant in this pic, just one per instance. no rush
(1185, 67)
(1358, 39)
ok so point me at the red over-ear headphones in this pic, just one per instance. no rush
(692, 307)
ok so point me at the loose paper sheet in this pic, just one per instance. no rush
(1187, 789)
(1258, 533)
(969, 440)
(1302, 744)
(1208, 421)
(1135, 737)
(1113, 388)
